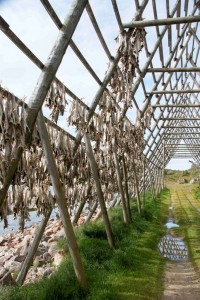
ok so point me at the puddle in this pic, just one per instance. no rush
(173, 248)
(170, 224)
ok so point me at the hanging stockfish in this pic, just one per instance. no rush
(56, 100)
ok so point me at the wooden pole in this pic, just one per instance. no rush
(126, 188)
(32, 250)
(119, 181)
(171, 70)
(160, 22)
(78, 212)
(90, 214)
(143, 198)
(163, 92)
(44, 82)
(176, 105)
(136, 187)
(95, 174)
(61, 201)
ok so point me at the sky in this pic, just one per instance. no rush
(30, 22)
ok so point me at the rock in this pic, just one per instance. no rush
(3, 272)
(12, 266)
(47, 257)
(25, 244)
(38, 262)
(52, 249)
(2, 240)
(57, 259)
(19, 258)
(7, 279)
(48, 272)
(59, 234)
(49, 232)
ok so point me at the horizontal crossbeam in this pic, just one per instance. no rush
(176, 105)
(189, 91)
(160, 22)
(171, 70)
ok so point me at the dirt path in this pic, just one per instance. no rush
(181, 280)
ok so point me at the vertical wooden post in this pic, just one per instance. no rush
(62, 204)
(163, 174)
(151, 181)
(144, 187)
(32, 250)
(136, 187)
(95, 174)
(119, 181)
(126, 188)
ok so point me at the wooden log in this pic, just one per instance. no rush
(179, 127)
(176, 105)
(32, 250)
(119, 182)
(90, 214)
(163, 92)
(78, 212)
(180, 119)
(136, 188)
(143, 195)
(61, 201)
(160, 22)
(126, 188)
(169, 70)
(95, 174)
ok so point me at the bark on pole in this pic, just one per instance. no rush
(143, 195)
(78, 212)
(90, 214)
(126, 188)
(32, 250)
(136, 187)
(62, 204)
(44, 82)
(119, 181)
(95, 174)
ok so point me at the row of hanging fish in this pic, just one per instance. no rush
(31, 186)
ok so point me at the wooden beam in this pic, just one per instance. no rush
(61, 201)
(180, 118)
(177, 133)
(160, 22)
(163, 92)
(120, 186)
(95, 175)
(32, 250)
(169, 70)
(175, 105)
(179, 127)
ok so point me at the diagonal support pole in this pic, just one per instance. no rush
(62, 204)
(95, 174)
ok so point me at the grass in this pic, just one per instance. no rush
(134, 270)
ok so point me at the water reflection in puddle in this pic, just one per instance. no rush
(173, 248)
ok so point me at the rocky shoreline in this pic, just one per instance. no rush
(14, 248)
